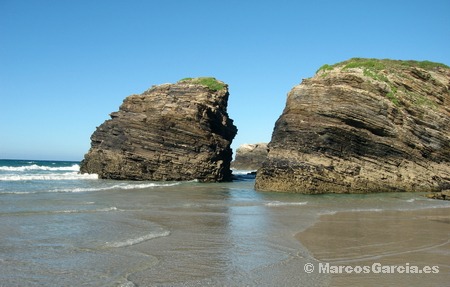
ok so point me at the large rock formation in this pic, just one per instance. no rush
(363, 125)
(170, 132)
(250, 156)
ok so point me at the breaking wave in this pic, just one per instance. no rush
(35, 167)
(117, 186)
(280, 203)
(121, 186)
(47, 176)
(137, 240)
(11, 170)
(106, 209)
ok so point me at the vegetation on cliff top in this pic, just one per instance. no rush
(382, 64)
(380, 69)
(210, 82)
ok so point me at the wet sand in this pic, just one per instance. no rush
(402, 238)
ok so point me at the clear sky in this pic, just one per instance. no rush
(66, 64)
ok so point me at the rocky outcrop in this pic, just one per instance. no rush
(250, 156)
(363, 125)
(442, 195)
(170, 132)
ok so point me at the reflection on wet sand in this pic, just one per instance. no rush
(402, 238)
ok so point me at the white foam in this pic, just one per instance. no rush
(330, 212)
(414, 208)
(242, 172)
(327, 213)
(87, 189)
(143, 185)
(279, 203)
(49, 176)
(137, 240)
(367, 210)
(107, 209)
(125, 186)
(17, 192)
(35, 167)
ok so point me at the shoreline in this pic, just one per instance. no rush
(390, 238)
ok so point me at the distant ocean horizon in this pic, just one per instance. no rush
(62, 228)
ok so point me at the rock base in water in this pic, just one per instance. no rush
(363, 125)
(442, 195)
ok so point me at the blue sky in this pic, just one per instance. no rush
(65, 64)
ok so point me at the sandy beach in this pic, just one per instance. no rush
(417, 241)
(69, 228)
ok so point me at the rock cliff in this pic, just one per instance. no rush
(250, 156)
(363, 125)
(170, 132)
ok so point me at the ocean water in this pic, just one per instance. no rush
(61, 228)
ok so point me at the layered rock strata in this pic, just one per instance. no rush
(250, 156)
(363, 125)
(170, 132)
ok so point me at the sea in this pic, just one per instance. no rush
(62, 228)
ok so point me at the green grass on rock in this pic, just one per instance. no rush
(209, 82)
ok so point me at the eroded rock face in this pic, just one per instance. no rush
(363, 125)
(250, 156)
(170, 132)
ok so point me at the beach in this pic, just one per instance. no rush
(60, 228)
(398, 248)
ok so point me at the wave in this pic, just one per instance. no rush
(35, 167)
(116, 186)
(123, 186)
(328, 212)
(280, 203)
(367, 210)
(143, 185)
(52, 212)
(333, 212)
(107, 209)
(17, 192)
(137, 240)
(439, 204)
(242, 172)
(48, 176)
